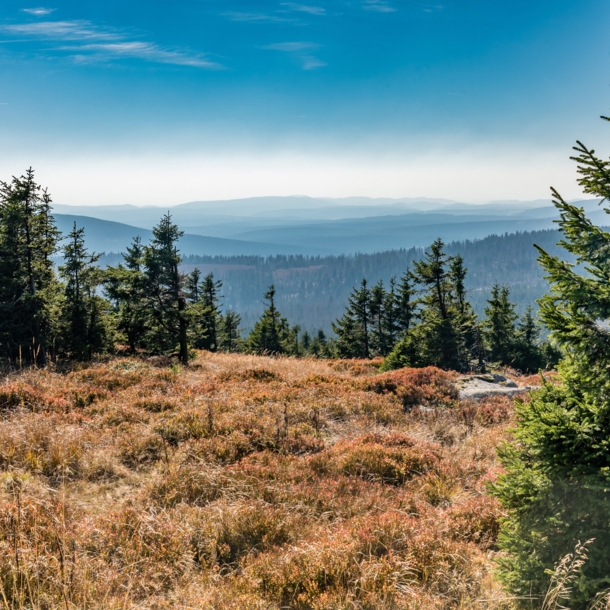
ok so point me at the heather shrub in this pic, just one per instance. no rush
(427, 386)
(140, 447)
(230, 532)
(43, 446)
(387, 458)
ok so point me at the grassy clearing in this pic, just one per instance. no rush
(246, 482)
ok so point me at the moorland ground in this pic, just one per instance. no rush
(247, 482)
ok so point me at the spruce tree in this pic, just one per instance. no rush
(382, 320)
(165, 300)
(556, 489)
(269, 333)
(499, 325)
(28, 287)
(353, 330)
(83, 318)
(405, 304)
(229, 336)
(125, 286)
(210, 302)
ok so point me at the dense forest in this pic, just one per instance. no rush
(312, 290)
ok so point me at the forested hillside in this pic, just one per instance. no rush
(312, 290)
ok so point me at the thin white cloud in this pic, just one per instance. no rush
(256, 17)
(304, 8)
(379, 6)
(139, 50)
(39, 12)
(60, 30)
(103, 44)
(292, 47)
(301, 50)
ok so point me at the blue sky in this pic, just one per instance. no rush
(162, 102)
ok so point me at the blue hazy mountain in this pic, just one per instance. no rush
(108, 236)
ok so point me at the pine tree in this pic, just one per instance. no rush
(528, 353)
(28, 288)
(125, 286)
(353, 330)
(405, 305)
(83, 318)
(446, 334)
(382, 320)
(210, 301)
(319, 346)
(556, 489)
(499, 325)
(166, 300)
(269, 332)
(229, 336)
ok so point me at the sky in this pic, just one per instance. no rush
(158, 102)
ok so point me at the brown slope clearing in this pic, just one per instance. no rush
(246, 482)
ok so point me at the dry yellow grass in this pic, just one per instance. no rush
(246, 482)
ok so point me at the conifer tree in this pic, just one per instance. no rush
(319, 346)
(353, 330)
(83, 318)
(405, 305)
(210, 302)
(229, 337)
(382, 319)
(28, 289)
(556, 488)
(125, 286)
(166, 300)
(269, 333)
(499, 325)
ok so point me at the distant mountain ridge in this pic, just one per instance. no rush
(353, 225)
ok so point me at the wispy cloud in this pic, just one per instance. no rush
(378, 5)
(60, 30)
(303, 8)
(302, 51)
(103, 44)
(140, 50)
(39, 12)
(256, 17)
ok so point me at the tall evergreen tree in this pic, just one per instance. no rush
(83, 320)
(499, 325)
(210, 302)
(28, 240)
(166, 299)
(446, 332)
(353, 330)
(382, 320)
(269, 333)
(125, 286)
(229, 337)
(405, 305)
(556, 487)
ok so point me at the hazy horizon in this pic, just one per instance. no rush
(149, 103)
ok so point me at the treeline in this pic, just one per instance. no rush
(147, 304)
(312, 290)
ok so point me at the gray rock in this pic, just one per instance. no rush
(476, 387)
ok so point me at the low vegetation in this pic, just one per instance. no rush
(246, 482)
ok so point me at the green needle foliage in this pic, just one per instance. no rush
(28, 286)
(270, 333)
(557, 483)
(83, 318)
